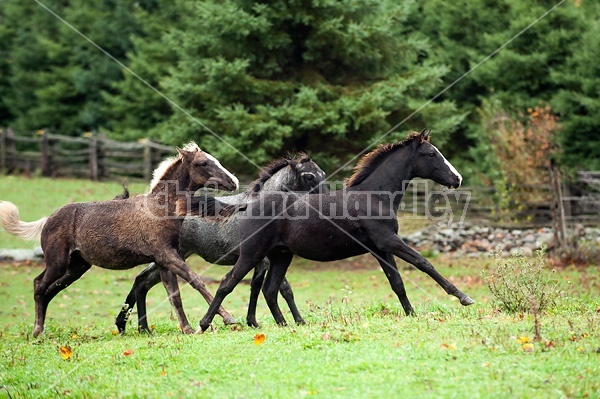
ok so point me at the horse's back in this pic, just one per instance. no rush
(313, 226)
(214, 241)
(116, 234)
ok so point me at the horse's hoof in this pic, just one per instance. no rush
(187, 330)
(252, 323)
(301, 322)
(37, 331)
(229, 320)
(203, 327)
(466, 301)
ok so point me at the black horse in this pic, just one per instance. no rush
(360, 218)
(219, 242)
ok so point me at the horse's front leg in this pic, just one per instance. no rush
(255, 285)
(395, 245)
(388, 265)
(243, 265)
(169, 280)
(280, 261)
(173, 262)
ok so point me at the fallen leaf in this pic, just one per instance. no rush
(326, 336)
(65, 352)
(259, 339)
(451, 346)
(114, 332)
(128, 352)
(580, 349)
(523, 340)
(527, 347)
(550, 344)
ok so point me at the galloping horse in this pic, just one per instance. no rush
(360, 218)
(120, 234)
(219, 242)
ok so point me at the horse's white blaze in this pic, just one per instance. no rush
(228, 173)
(452, 168)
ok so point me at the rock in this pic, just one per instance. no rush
(527, 251)
(17, 254)
(529, 238)
(37, 252)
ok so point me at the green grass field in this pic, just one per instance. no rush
(357, 342)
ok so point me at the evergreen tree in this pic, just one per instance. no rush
(56, 77)
(578, 101)
(324, 76)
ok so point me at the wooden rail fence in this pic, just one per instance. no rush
(98, 157)
(93, 156)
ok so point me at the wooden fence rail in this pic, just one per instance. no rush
(98, 157)
(95, 156)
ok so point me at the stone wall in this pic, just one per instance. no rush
(469, 239)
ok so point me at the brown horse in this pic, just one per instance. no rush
(120, 234)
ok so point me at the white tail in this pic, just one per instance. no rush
(9, 215)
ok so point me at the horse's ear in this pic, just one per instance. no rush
(427, 135)
(186, 155)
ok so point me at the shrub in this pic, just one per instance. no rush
(523, 284)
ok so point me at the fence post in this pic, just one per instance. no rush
(147, 160)
(46, 159)
(93, 156)
(11, 150)
(2, 150)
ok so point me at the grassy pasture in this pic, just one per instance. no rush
(357, 342)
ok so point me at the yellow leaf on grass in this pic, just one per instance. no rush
(523, 340)
(259, 339)
(451, 346)
(527, 347)
(128, 352)
(65, 352)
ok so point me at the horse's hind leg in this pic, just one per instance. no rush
(288, 295)
(403, 251)
(280, 261)
(169, 280)
(61, 271)
(143, 282)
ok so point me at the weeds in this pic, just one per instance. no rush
(522, 284)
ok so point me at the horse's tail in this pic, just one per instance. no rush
(206, 206)
(124, 194)
(9, 215)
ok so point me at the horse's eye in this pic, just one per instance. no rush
(431, 154)
(310, 176)
(203, 164)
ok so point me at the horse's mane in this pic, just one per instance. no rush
(273, 167)
(165, 165)
(370, 161)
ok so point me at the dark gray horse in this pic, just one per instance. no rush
(120, 234)
(218, 243)
(358, 219)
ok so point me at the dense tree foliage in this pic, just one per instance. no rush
(326, 76)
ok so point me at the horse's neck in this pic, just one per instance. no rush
(171, 186)
(390, 176)
(282, 180)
